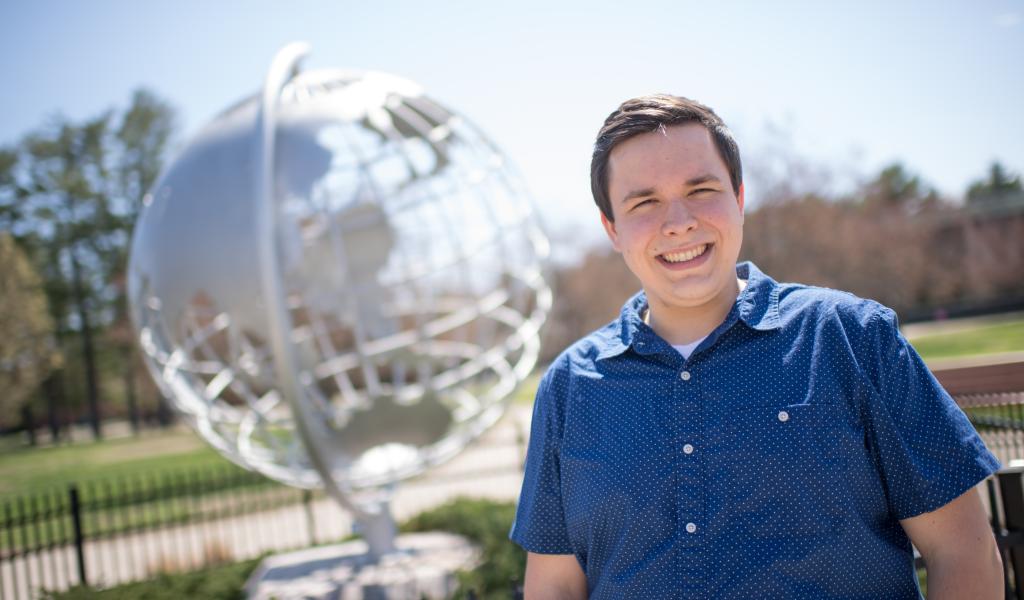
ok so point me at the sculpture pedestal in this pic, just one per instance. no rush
(423, 567)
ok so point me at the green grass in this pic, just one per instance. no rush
(31, 469)
(25, 470)
(990, 339)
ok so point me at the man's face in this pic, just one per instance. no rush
(678, 223)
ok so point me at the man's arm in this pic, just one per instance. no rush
(554, 577)
(959, 550)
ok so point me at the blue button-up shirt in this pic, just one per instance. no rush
(775, 462)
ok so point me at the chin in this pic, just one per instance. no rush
(693, 296)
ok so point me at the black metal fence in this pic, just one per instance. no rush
(112, 531)
(131, 529)
(999, 418)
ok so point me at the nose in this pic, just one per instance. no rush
(678, 219)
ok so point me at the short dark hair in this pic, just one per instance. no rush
(650, 113)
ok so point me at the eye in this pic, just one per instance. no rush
(703, 193)
(642, 202)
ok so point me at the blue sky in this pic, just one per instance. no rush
(847, 86)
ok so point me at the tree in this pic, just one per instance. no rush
(997, 186)
(27, 348)
(896, 189)
(64, 218)
(70, 194)
(141, 143)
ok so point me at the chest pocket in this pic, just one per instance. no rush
(787, 473)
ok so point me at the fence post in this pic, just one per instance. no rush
(307, 503)
(76, 520)
(1012, 492)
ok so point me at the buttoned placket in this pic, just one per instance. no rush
(690, 492)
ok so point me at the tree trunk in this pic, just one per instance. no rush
(54, 391)
(88, 351)
(128, 372)
(29, 422)
(163, 414)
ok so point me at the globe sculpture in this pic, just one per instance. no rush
(338, 283)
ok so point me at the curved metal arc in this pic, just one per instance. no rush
(285, 364)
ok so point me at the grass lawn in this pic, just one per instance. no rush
(31, 469)
(986, 339)
(24, 470)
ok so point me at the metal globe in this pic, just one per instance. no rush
(399, 250)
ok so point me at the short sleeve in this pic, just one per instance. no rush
(539, 525)
(928, 451)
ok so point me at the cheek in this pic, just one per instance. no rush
(631, 235)
(727, 220)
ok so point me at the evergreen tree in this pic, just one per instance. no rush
(995, 188)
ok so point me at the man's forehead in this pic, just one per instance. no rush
(684, 155)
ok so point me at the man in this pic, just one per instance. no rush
(732, 437)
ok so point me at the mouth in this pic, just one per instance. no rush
(682, 257)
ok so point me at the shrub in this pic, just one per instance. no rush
(485, 523)
(219, 583)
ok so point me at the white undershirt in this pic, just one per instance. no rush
(687, 349)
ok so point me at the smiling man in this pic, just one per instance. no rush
(733, 437)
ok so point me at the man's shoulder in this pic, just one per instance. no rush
(580, 359)
(804, 304)
(586, 351)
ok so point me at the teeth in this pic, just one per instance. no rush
(685, 256)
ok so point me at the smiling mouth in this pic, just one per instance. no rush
(685, 256)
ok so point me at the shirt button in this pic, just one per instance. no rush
(691, 528)
(688, 449)
(685, 375)
(783, 416)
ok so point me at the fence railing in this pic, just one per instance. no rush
(112, 531)
(992, 396)
(131, 528)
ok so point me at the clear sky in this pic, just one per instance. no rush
(849, 86)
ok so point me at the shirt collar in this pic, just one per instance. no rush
(758, 303)
(757, 306)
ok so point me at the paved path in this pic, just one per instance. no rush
(490, 468)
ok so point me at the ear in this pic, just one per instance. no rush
(609, 228)
(739, 201)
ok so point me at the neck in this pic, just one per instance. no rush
(680, 325)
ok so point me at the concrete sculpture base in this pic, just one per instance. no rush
(423, 567)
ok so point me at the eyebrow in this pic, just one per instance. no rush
(691, 182)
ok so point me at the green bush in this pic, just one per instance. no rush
(217, 583)
(486, 523)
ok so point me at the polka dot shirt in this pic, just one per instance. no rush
(774, 462)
